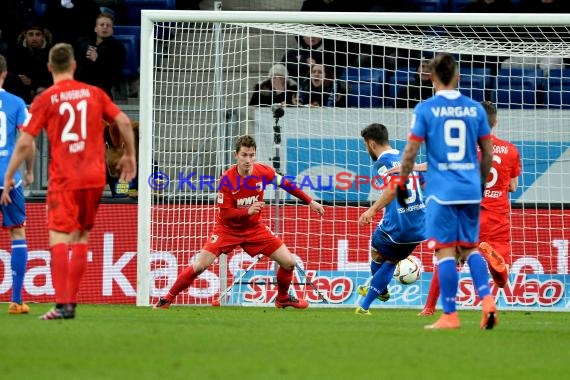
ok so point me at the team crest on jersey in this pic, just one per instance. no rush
(220, 198)
(214, 239)
(259, 186)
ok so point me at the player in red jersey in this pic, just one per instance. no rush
(72, 114)
(495, 227)
(238, 223)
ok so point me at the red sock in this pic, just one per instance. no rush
(284, 278)
(433, 293)
(183, 281)
(59, 268)
(499, 278)
(77, 265)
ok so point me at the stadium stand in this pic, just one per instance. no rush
(474, 82)
(558, 89)
(135, 7)
(364, 86)
(519, 88)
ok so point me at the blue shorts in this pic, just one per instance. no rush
(452, 225)
(382, 243)
(14, 214)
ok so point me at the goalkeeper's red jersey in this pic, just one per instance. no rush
(237, 192)
(72, 113)
(506, 165)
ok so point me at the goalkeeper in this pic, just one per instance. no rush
(238, 223)
(401, 229)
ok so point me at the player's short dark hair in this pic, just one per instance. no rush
(245, 141)
(3, 64)
(376, 132)
(444, 66)
(61, 57)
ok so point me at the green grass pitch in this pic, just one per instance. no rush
(126, 342)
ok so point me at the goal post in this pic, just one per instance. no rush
(199, 71)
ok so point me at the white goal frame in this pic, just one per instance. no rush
(148, 101)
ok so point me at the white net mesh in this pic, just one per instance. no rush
(203, 94)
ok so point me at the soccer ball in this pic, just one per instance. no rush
(407, 271)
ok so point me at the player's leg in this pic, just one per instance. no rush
(287, 264)
(433, 294)
(494, 245)
(201, 262)
(14, 218)
(442, 231)
(62, 222)
(389, 255)
(468, 235)
(87, 201)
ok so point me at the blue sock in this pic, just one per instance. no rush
(374, 266)
(18, 263)
(379, 283)
(478, 269)
(448, 283)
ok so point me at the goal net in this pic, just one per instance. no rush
(206, 79)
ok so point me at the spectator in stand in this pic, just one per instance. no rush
(314, 50)
(544, 6)
(70, 20)
(101, 58)
(276, 88)
(488, 6)
(420, 89)
(321, 90)
(29, 58)
(15, 15)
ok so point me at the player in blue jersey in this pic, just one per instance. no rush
(452, 125)
(402, 227)
(13, 114)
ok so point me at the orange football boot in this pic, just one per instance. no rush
(446, 322)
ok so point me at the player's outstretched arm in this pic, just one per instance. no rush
(317, 207)
(385, 198)
(417, 168)
(292, 189)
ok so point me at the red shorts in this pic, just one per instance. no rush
(73, 210)
(495, 229)
(253, 241)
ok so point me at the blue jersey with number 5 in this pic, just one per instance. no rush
(451, 124)
(401, 224)
(12, 114)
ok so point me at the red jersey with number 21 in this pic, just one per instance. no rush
(72, 113)
(506, 165)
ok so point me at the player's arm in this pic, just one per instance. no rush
(30, 159)
(513, 184)
(292, 189)
(128, 163)
(22, 151)
(417, 168)
(385, 198)
(486, 145)
(408, 160)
